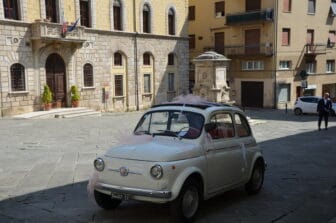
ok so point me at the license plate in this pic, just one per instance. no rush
(120, 196)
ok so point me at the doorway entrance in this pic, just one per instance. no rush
(55, 72)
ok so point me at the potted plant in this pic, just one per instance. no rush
(47, 98)
(74, 96)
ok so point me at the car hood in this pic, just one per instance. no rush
(159, 149)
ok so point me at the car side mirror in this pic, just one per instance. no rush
(210, 126)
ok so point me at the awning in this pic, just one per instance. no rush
(333, 8)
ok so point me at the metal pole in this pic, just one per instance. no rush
(135, 57)
(1, 96)
(275, 33)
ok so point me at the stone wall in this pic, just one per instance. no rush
(98, 50)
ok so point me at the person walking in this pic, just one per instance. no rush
(323, 108)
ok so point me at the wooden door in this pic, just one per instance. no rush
(252, 94)
(85, 13)
(51, 10)
(55, 71)
(252, 41)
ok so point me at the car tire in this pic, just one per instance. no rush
(185, 206)
(298, 111)
(254, 185)
(105, 201)
(332, 112)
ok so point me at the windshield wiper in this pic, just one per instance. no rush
(166, 133)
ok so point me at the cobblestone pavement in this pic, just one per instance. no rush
(45, 166)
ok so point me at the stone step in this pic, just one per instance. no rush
(59, 113)
(79, 114)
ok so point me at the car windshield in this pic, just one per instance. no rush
(181, 124)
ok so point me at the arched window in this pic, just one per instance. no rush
(88, 75)
(171, 22)
(171, 59)
(118, 59)
(146, 19)
(11, 9)
(117, 19)
(146, 59)
(18, 80)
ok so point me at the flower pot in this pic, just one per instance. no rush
(58, 104)
(47, 106)
(75, 104)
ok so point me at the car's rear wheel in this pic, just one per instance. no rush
(105, 201)
(185, 206)
(332, 112)
(257, 178)
(298, 111)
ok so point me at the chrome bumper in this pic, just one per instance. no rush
(133, 191)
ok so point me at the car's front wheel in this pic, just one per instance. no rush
(185, 206)
(105, 201)
(298, 111)
(257, 178)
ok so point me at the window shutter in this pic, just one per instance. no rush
(285, 37)
(219, 42)
(220, 8)
(118, 82)
(117, 17)
(191, 13)
(332, 37)
(286, 5)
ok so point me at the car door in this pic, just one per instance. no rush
(248, 144)
(223, 153)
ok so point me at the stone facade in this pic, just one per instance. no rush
(30, 43)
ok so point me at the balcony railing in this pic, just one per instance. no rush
(53, 31)
(262, 49)
(314, 49)
(250, 17)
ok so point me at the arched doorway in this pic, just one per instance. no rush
(55, 72)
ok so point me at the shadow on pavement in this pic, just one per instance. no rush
(300, 186)
(281, 115)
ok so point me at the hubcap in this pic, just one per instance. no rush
(190, 202)
(257, 177)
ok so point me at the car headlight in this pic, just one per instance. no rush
(99, 164)
(156, 171)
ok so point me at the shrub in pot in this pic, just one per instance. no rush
(74, 96)
(47, 98)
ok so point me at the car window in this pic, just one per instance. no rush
(308, 100)
(184, 124)
(223, 126)
(243, 128)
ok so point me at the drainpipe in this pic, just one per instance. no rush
(1, 97)
(135, 57)
(275, 33)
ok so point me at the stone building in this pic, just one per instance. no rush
(122, 54)
(279, 49)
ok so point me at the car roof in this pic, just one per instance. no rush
(203, 107)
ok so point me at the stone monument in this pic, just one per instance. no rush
(210, 77)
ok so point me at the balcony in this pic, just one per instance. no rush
(315, 49)
(250, 17)
(262, 49)
(52, 32)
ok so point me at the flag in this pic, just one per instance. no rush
(71, 28)
(64, 29)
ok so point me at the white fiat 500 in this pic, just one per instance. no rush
(191, 153)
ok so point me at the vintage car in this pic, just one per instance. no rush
(192, 152)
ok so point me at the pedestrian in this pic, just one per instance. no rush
(323, 108)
